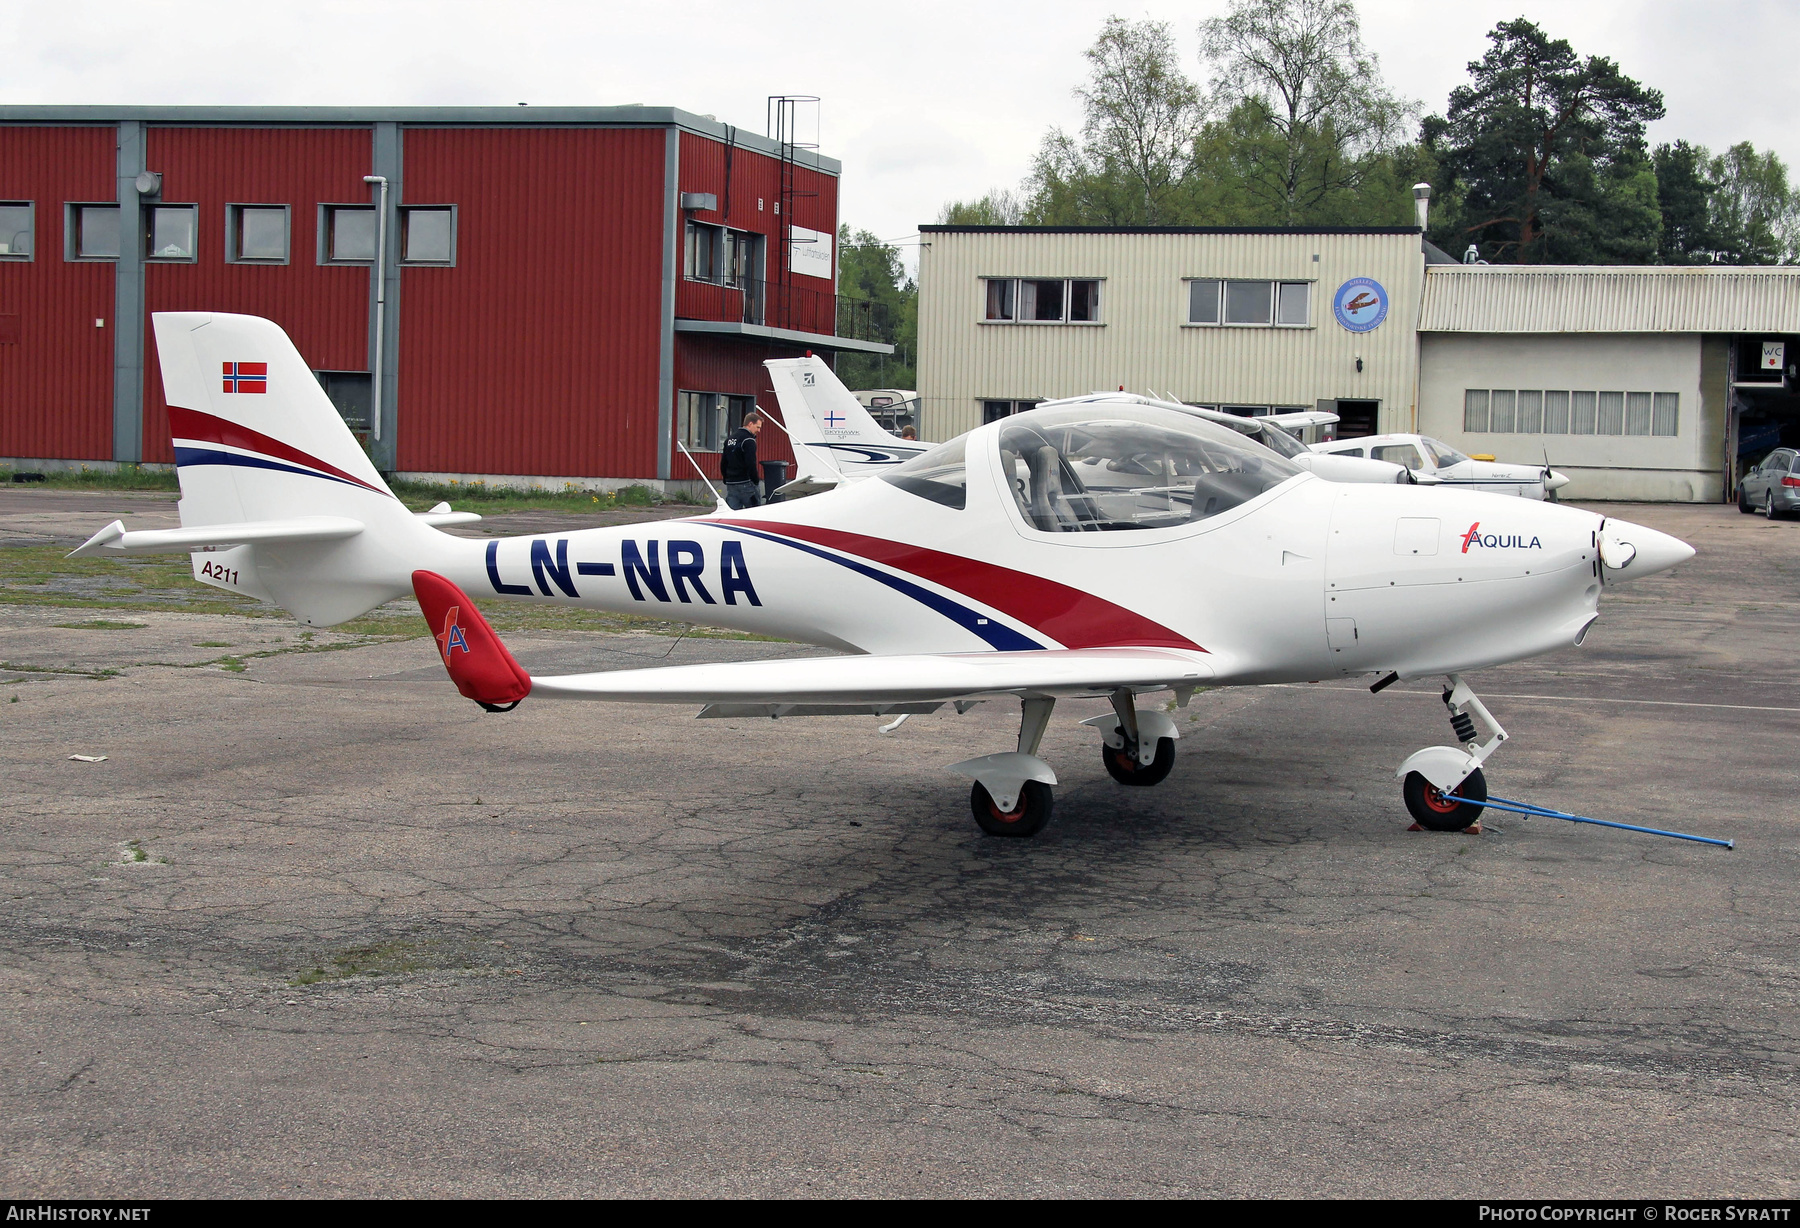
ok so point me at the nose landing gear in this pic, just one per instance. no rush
(1428, 775)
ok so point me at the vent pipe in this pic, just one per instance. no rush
(1422, 203)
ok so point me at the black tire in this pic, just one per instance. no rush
(1028, 819)
(1432, 812)
(1768, 507)
(1743, 504)
(1123, 766)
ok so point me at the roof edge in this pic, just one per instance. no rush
(1170, 230)
(628, 116)
(1638, 270)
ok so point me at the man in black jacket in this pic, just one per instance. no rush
(737, 464)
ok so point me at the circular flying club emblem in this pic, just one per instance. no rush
(1360, 304)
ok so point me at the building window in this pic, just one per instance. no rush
(1665, 414)
(1581, 413)
(704, 248)
(1281, 304)
(993, 411)
(93, 232)
(15, 229)
(1039, 300)
(428, 234)
(1506, 411)
(171, 231)
(703, 420)
(1293, 304)
(999, 299)
(743, 258)
(346, 234)
(256, 234)
(1556, 413)
(1475, 410)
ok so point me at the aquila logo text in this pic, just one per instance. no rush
(1497, 541)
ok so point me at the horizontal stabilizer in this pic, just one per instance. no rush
(887, 682)
(115, 539)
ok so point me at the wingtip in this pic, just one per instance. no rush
(99, 541)
(476, 659)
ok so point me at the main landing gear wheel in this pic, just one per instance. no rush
(1123, 766)
(1028, 817)
(1435, 812)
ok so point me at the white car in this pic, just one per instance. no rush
(1433, 461)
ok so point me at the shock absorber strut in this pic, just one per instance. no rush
(1460, 721)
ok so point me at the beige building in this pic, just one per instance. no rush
(1653, 383)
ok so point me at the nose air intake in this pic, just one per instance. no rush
(1631, 551)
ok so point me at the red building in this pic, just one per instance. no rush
(548, 293)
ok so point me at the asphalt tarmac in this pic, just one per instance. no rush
(324, 928)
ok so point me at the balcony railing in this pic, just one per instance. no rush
(784, 305)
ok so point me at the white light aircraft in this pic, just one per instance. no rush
(1105, 550)
(837, 441)
(1435, 462)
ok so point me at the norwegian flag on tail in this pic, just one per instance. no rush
(246, 377)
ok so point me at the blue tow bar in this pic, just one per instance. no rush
(1528, 810)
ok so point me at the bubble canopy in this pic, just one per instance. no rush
(1105, 468)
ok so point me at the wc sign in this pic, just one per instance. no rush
(1774, 355)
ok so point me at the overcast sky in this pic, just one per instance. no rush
(922, 102)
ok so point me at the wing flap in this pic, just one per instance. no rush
(888, 681)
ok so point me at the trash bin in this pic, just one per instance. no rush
(774, 478)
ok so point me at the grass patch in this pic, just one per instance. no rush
(385, 959)
(211, 644)
(125, 477)
(485, 497)
(44, 575)
(134, 854)
(105, 624)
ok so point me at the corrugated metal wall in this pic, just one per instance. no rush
(1143, 343)
(538, 352)
(56, 383)
(325, 309)
(723, 364)
(752, 193)
(1520, 299)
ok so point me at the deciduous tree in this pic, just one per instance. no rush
(1299, 103)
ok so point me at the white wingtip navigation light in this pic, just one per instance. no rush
(1101, 547)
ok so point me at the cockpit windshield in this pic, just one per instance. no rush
(1442, 454)
(1278, 440)
(937, 474)
(1111, 467)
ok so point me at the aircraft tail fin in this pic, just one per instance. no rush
(835, 439)
(257, 442)
(478, 662)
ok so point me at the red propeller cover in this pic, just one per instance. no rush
(479, 664)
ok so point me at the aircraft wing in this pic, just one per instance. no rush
(871, 683)
(486, 672)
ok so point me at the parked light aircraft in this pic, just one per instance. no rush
(1436, 462)
(1105, 550)
(836, 440)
